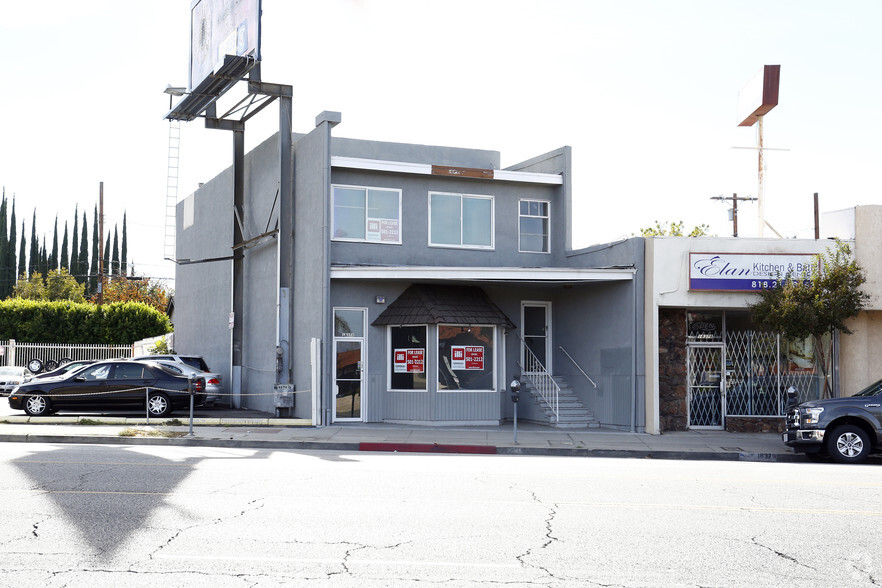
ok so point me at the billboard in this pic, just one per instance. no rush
(759, 95)
(747, 272)
(218, 28)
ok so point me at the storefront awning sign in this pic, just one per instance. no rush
(747, 272)
(466, 357)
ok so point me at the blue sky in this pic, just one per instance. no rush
(644, 92)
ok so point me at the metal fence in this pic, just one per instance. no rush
(47, 355)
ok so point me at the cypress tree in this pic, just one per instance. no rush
(4, 247)
(93, 268)
(34, 258)
(74, 255)
(53, 257)
(10, 255)
(44, 260)
(115, 260)
(123, 270)
(83, 258)
(22, 258)
(65, 260)
(107, 255)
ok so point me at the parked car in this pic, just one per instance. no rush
(195, 362)
(845, 429)
(10, 377)
(65, 368)
(212, 381)
(108, 384)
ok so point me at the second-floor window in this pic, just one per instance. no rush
(460, 220)
(366, 214)
(533, 226)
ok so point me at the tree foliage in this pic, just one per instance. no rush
(58, 285)
(816, 303)
(674, 229)
(149, 292)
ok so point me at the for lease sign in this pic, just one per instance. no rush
(409, 361)
(466, 357)
(747, 271)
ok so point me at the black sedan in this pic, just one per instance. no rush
(109, 385)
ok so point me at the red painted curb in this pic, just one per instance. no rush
(427, 448)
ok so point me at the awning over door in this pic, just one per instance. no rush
(433, 304)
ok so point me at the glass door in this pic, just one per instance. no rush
(536, 329)
(349, 364)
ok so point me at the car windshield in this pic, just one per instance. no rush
(871, 390)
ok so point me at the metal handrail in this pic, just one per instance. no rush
(578, 366)
(541, 380)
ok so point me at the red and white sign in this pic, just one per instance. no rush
(409, 361)
(466, 357)
(382, 229)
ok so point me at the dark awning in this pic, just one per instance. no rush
(433, 304)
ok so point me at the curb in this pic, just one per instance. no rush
(408, 448)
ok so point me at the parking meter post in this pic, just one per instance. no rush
(515, 397)
(190, 388)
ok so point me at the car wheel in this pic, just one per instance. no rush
(848, 444)
(36, 405)
(63, 361)
(158, 404)
(35, 366)
(51, 365)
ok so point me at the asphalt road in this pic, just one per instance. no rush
(91, 515)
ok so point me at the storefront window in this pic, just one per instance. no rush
(705, 325)
(408, 358)
(465, 357)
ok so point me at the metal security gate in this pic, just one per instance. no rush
(706, 378)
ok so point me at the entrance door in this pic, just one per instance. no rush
(706, 398)
(536, 328)
(349, 364)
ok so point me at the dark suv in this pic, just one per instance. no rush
(845, 429)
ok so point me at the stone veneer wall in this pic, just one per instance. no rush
(672, 369)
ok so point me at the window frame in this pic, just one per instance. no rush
(389, 359)
(366, 190)
(491, 358)
(461, 196)
(547, 218)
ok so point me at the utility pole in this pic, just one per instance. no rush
(734, 198)
(100, 243)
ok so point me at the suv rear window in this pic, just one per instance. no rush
(195, 362)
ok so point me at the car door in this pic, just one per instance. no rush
(87, 388)
(129, 382)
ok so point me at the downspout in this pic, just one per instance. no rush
(634, 353)
(329, 119)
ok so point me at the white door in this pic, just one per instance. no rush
(536, 348)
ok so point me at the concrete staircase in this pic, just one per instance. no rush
(573, 414)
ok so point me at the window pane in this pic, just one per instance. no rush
(465, 358)
(408, 361)
(534, 234)
(477, 221)
(349, 323)
(349, 213)
(445, 221)
(383, 221)
(525, 207)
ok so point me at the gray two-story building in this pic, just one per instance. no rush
(425, 279)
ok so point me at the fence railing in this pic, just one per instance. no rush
(44, 356)
(533, 370)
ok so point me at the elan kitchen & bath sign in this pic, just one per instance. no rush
(747, 272)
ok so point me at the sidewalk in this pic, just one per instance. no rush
(261, 431)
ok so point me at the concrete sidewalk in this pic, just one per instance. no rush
(258, 430)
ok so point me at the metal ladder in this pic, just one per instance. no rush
(171, 190)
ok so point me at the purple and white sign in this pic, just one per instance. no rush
(747, 272)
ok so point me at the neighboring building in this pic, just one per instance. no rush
(425, 279)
